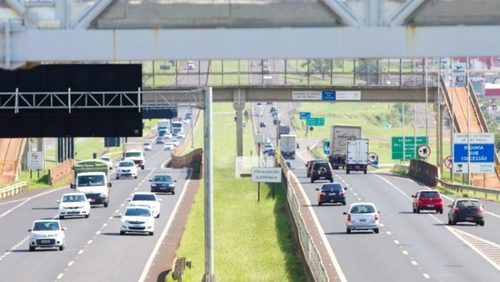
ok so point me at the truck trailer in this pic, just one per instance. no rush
(339, 135)
(357, 155)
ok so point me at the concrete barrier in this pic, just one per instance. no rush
(61, 171)
(193, 159)
(423, 172)
(13, 190)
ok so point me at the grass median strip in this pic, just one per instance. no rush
(253, 241)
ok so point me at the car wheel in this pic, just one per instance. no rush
(117, 177)
(312, 180)
(450, 222)
(375, 230)
(441, 211)
(418, 210)
(135, 177)
(173, 192)
(61, 217)
(122, 232)
(142, 167)
(347, 171)
(453, 222)
(61, 248)
(414, 210)
(481, 223)
(331, 179)
(151, 233)
(348, 230)
(32, 248)
(343, 203)
(319, 203)
(158, 216)
(105, 205)
(87, 215)
(365, 171)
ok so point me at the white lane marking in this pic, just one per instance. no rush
(405, 252)
(71, 263)
(60, 276)
(122, 205)
(80, 252)
(14, 248)
(359, 199)
(136, 189)
(163, 234)
(395, 187)
(98, 232)
(30, 198)
(89, 242)
(105, 224)
(388, 232)
(396, 242)
(426, 276)
(110, 218)
(11, 202)
(492, 214)
(355, 194)
(381, 225)
(117, 210)
(321, 231)
(414, 263)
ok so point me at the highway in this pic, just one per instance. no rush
(409, 247)
(94, 249)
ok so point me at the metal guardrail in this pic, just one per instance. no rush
(13, 190)
(309, 248)
(475, 191)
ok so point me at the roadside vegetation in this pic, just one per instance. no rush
(252, 240)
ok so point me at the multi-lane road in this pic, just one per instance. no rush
(409, 247)
(95, 251)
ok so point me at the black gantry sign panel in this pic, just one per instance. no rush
(111, 120)
(159, 112)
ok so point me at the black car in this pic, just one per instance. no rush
(309, 165)
(321, 170)
(262, 124)
(466, 210)
(331, 193)
(163, 183)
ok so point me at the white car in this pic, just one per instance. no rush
(169, 146)
(126, 168)
(181, 135)
(175, 141)
(362, 216)
(74, 204)
(137, 220)
(148, 146)
(108, 160)
(47, 234)
(146, 199)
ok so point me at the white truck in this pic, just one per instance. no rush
(288, 144)
(91, 177)
(339, 135)
(134, 152)
(357, 155)
(163, 127)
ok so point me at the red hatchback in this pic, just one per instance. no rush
(427, 200)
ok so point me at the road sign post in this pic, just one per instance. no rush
(266, 174)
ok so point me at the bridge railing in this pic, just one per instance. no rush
(13, 190)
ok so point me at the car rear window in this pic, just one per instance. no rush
(332, 187)
(163, 178)
(468, 203)
(429, 194)
(320, 165)
(363, 209)
(143, 197)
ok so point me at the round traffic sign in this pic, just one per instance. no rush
(34, 156)
(423, 151)
(372, 158)
(448, 161)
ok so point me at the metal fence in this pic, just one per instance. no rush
(309, 248)
(13, 190)
(471, 191)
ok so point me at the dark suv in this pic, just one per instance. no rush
(331, 193)
(309, 165)
(466, 210)
(427, 200)
(321, 170)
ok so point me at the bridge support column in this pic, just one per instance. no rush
(239, 97)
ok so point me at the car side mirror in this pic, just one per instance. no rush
(317, 189)
(344, 213)
(64, 229)
(413, 196)
(150, 180)
(128, 200)
(58, 201)
(109, 184)
(72, 186)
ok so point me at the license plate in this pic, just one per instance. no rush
(430, 206)
(332, 194)
(469, 218)
(45, 241)
(362, 220)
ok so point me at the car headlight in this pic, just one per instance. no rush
(153, 185)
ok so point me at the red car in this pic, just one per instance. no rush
(427, 200)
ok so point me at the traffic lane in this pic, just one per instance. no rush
(492, 220)
(427, 239)
(363, 256)
(14, 242)
(10, 203)
(129, 253)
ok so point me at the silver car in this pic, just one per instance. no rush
(362, 216)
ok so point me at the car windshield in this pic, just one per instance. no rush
(147, 144)
(162, 178)
(132, 154)
(363, 209)
(46, 225)
(106, 159)
(126, 164)
(73, 198)
(429, 194)
(137, 212)
(90, 180)
(332, 187)
(144, 197)
(467, 204)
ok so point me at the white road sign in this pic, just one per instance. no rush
(474, 151)
(348, 95)
(306, 95)
(35, 160)
(266, 174)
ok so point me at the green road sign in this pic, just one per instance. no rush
(314, 121)
(410, 147)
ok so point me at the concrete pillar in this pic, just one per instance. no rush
(239, 105)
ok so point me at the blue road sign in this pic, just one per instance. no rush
(481, 152)
(328, 95)
(305, 115)
(326, 147)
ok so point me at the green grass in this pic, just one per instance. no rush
(252, 240)
(228, 72)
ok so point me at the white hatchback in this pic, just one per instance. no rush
(146, 199)
(362, 216)
(74, 204)
(47, 234)
(137, 220)
(126, 168)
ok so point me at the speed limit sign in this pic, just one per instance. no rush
(423, 151)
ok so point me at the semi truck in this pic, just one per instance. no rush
(339, 135)
(163, 127)
(91, 177)
(357, 155)
(177, 127)
(135, 152)
(288, 144)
